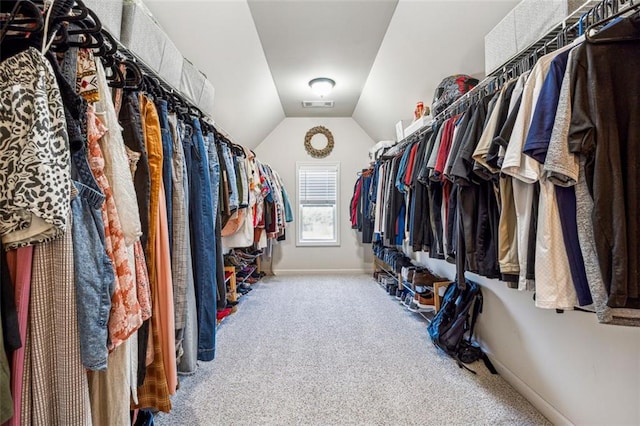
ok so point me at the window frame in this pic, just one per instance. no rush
(317, 243)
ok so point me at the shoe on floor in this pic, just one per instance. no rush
(223, 313)
(413, 306)
(425, 277)
(408, 298)
(399, 293)
(425, 300)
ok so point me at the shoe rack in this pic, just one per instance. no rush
(381, 266)
(230, 281)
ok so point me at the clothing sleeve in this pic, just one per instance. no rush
(461, 131)
(562, 167)
(399, 177)
(409, 172)
(515, 163)
(423, 175)
(542, 122)
(482, 149)
(431, 163)
(462, 167)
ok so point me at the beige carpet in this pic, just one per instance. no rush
(336, 350)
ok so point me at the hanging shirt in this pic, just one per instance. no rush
(34, 207)
(525, 169)
(536, 146)
(605, 128)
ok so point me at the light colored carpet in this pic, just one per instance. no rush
(336, 350)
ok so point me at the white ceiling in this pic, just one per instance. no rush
(385, 55)
(304, 40)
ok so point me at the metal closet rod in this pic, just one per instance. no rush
(561, 34)
(413, 137)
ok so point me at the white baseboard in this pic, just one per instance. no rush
(321, 271)
(547, 410)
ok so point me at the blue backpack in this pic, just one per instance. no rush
(452, 327)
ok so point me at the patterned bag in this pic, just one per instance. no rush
(450, 89)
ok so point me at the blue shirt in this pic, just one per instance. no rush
(544, 116)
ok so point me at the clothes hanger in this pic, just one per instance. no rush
(68, 11)
(91, 31)
(109, 46)
(87, 20)
(116, 79)
(591, 34)
(28, 23)
(82, 22)
(133, 76)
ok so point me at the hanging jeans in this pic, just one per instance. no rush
(167, 159)
(214, 174)
(203, 249)
(94, 276)
(231, 176)
(93, 270)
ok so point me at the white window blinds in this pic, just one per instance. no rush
(318, 204)
(317, 184)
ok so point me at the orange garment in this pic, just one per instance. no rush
(125, 316)
(154, 392)
(153, 144)
(165, 297)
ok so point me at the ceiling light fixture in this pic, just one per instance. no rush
(322, 86)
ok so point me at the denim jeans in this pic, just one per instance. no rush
(167, 159)
(94, 276)
(214, 171)
(203, 249)
(231, 177)
(187, 364)
(69, 63)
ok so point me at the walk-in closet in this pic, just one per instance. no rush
(318, 212)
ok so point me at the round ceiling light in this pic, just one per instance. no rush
(322, 86)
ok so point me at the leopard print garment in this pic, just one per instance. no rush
(34, 153)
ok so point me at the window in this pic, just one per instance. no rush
(318, 192)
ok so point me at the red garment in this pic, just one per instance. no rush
(445, 146)
(412, 159)
(443, 153)
(354, 203)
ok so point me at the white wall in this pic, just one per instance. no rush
(281, 149)
(571, 368)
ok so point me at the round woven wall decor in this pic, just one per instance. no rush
(318, 153)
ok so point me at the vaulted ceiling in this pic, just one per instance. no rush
(385, 55)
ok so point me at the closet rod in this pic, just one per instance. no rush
(397, 148)
(559, 33)
(513, 67)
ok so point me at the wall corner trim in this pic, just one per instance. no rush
(542, 405)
